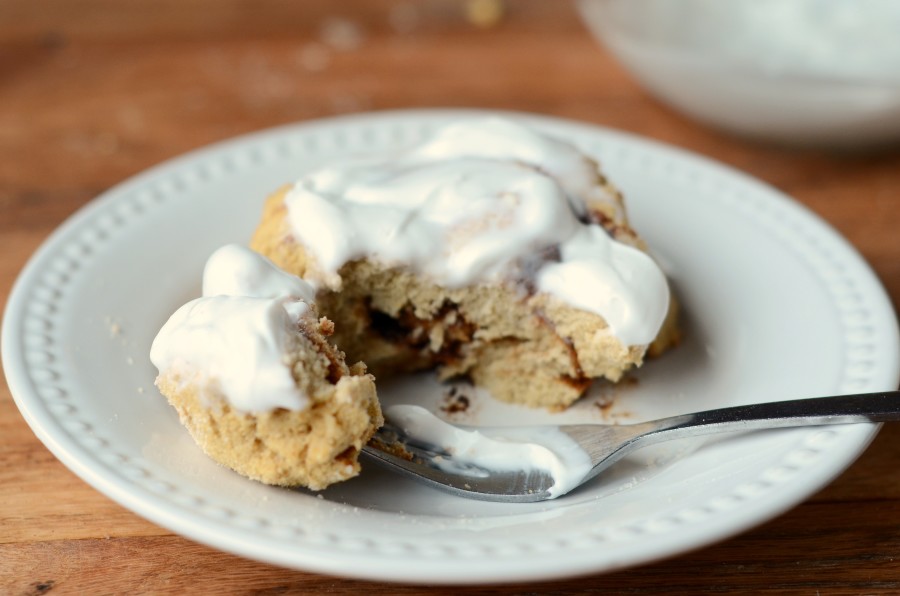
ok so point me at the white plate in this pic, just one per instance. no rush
(778, 306)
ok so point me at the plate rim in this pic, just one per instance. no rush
(36, 414)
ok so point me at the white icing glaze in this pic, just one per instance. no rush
(235, 342)
(498, 449)
(235, 270)
(238, 333)
(473, 205)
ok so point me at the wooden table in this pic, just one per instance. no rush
(93, 91)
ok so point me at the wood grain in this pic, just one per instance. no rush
(93, 91)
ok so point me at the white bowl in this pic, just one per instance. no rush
(800, 72)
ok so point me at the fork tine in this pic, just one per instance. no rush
(458, 478)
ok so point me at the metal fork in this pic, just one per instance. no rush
(607, 444)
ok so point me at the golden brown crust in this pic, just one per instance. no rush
(313, 447)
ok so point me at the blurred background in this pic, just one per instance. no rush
(133, 81)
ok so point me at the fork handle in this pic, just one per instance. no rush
(841, 409)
